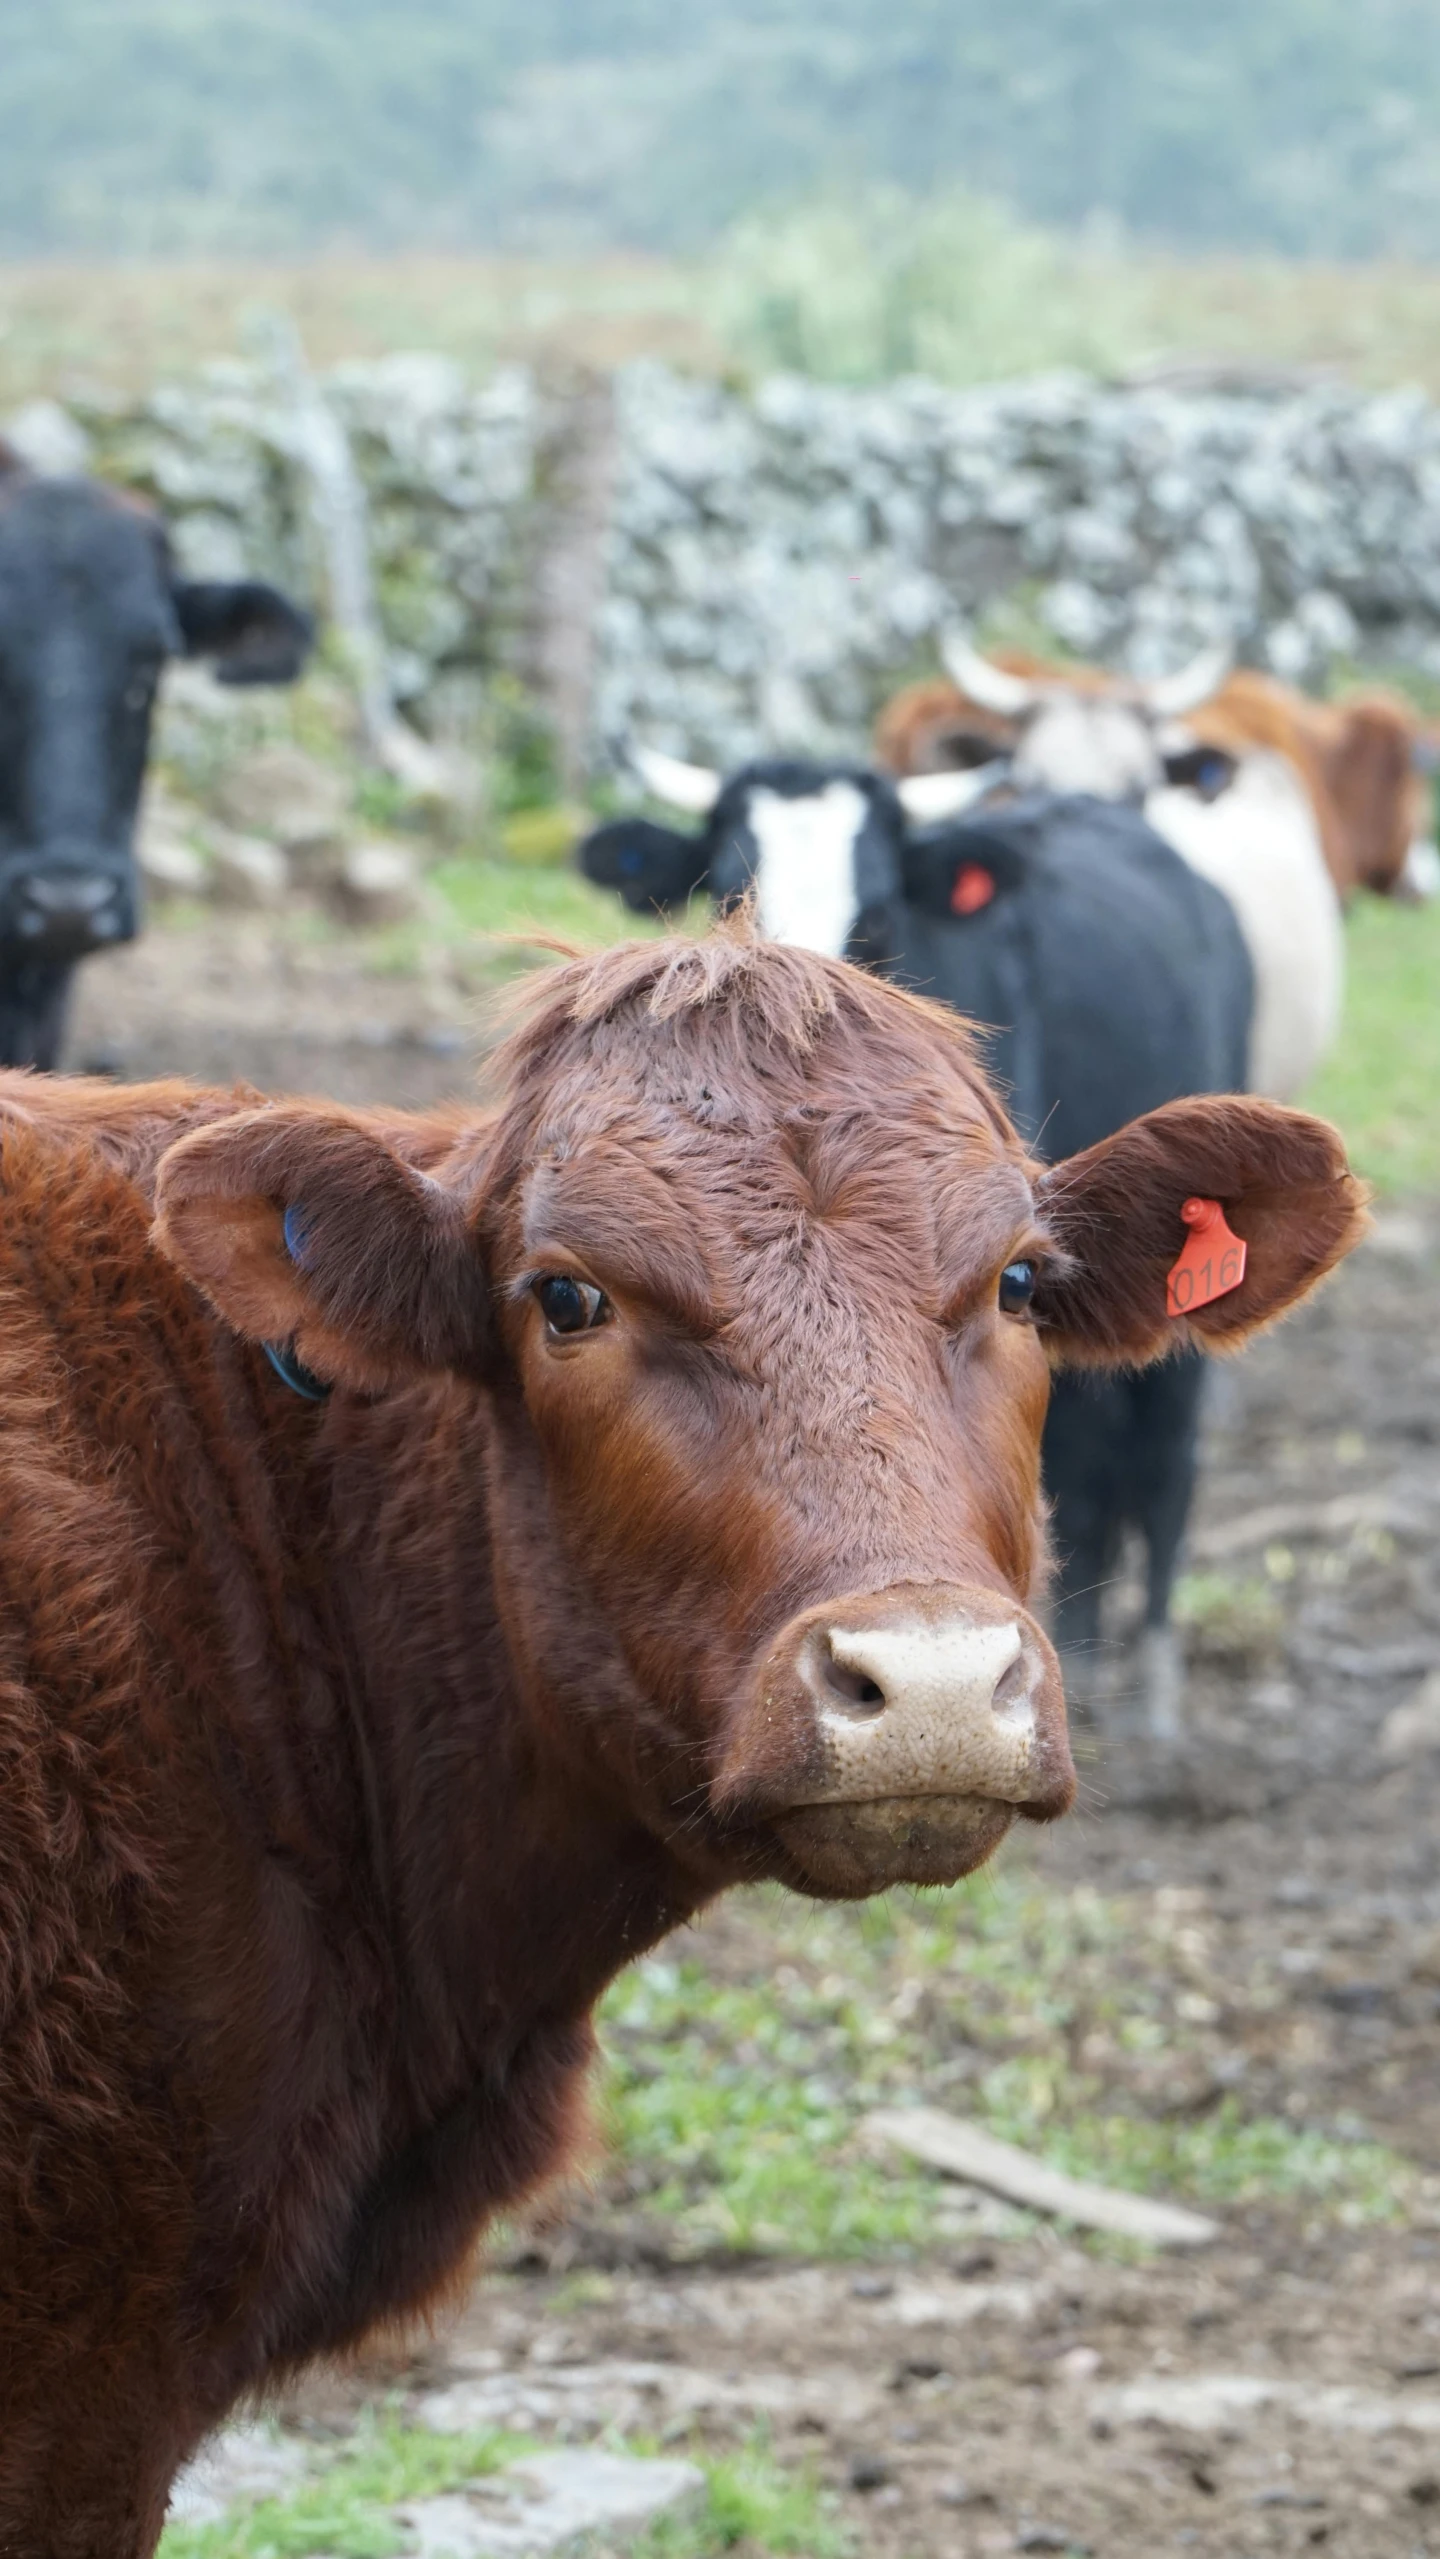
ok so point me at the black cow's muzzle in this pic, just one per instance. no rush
(63, 913)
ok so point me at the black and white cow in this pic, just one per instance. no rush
(1112, 978)
(91, 607)
(1251, 828)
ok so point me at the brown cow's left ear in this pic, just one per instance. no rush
(305, 1229)
(1282, 1180)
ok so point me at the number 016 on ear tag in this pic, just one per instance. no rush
(1212, 1263)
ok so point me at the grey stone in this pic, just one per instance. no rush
(245, 871)
(169, 866)
(287, 795)
(241, 2466)
(552, 2502)
(759, 567)
(635, 2397)
(378, 883)
(1225, 2403)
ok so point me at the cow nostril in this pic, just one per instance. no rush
(1012, 1688)
(852, 1690)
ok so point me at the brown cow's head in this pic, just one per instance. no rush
(1363, 762)
(1066, 729)
(765, 1295)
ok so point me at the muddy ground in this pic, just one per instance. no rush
(1279, 2391)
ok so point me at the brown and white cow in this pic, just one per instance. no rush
(1362, 762)
(671, 1520)
(1287, 805)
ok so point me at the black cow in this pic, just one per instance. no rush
(1111, 977)
(90, 609)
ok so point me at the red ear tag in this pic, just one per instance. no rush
(974, 888)
(1212, 1263)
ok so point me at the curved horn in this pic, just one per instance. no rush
(1174, 695)
(691, 787)
(928, 797)
(991, 687)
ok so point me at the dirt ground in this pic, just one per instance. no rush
(1276, 2392)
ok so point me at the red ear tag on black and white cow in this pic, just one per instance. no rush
(1212, 1263)
(974, 888)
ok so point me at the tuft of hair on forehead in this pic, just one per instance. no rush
(768, 995)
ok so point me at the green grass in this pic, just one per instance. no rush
(1382, 1086)
(734, 2101)
(500, 898)
(346, 2510)
(1226, 2158)
(751, 2501)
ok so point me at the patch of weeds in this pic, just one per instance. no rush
(502, 898)
(751, 2502)
(523, 759)
(1222, 2158)
(743, 2102)
(385, 804)
(1230, 1621)
(544, 838)
(1060, 2019)
(344, 2511)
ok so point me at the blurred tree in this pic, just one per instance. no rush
(155, 125)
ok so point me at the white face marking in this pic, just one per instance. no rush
(1076, 743)
(805, 872)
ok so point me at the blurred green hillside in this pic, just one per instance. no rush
(159, 127)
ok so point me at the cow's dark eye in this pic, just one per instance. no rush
(1017, 1287)
(571, 1305)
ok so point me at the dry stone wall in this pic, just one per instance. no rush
(757, 568)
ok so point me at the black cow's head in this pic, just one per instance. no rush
(831, 851)
(90, 609)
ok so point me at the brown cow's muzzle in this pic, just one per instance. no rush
(894, 1735)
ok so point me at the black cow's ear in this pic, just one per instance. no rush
(305, 1228)
(1117, 1215)
(958, 869)
(251, 632)
(650, 865)
(1206, 770)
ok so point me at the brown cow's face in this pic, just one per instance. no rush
(778, 1399)
(766, 1296)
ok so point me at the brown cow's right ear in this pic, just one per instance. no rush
(1282, 1180)
(304, 1228)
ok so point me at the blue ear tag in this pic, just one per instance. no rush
(300, 1379)
(281, 1355)
(297, 1235)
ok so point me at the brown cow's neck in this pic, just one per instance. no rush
(467, 1888)
(455, 1752)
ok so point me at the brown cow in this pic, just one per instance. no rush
(1358, 760)
(673, 1521)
